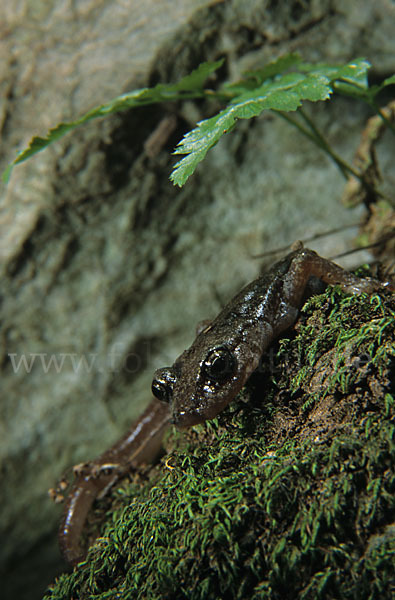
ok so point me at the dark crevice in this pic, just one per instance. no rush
(127, 142)
(19, 262)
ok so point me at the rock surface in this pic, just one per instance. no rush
(105, 265)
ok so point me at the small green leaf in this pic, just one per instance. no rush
(354, 72)
(281, 64)
(388, 81)
(372, 92)
(350, 90)
(196, 79)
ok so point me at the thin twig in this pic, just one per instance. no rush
(313, 237)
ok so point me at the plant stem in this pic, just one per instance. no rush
(315, 136)
(318, 142)
(380, 113)
(343, 166)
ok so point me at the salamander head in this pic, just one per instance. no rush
(204, 379)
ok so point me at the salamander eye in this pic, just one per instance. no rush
(163, 383)
(220, 364)
(161, 390)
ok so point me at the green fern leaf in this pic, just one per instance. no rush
(282, 93)
(189, 86)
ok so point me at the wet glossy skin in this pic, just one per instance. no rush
(207, 376)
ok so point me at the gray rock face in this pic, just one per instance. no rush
(106, 267)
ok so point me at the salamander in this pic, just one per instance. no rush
(206, 377)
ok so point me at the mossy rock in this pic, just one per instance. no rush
(289, 493)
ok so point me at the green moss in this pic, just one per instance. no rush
(288, 495)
